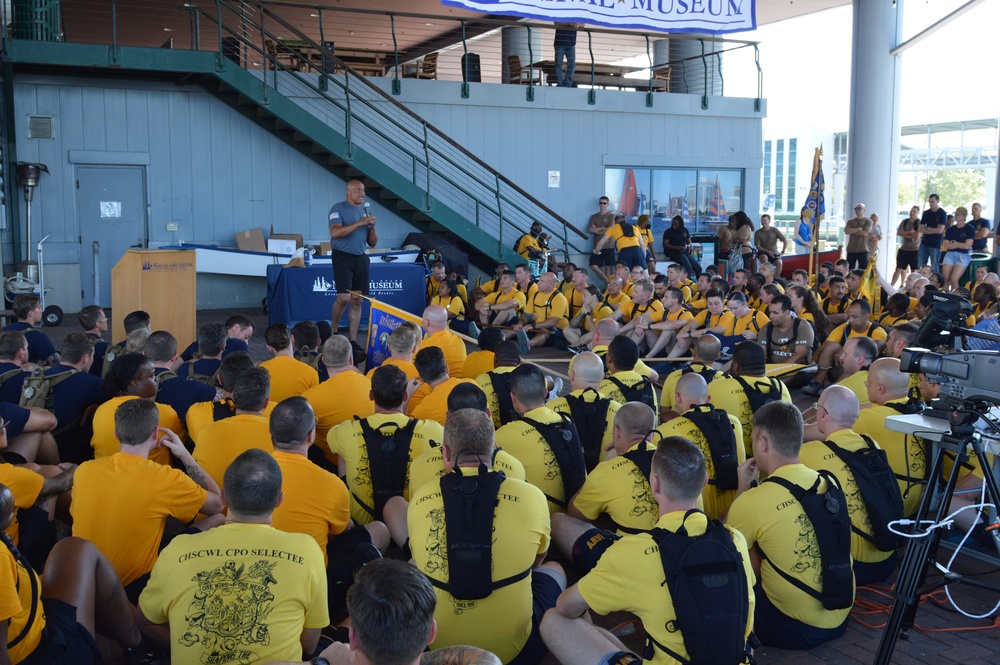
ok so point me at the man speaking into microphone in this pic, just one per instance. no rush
(351, 228)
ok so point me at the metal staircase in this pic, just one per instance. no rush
(326, 110)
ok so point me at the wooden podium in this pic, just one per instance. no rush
(161, 282)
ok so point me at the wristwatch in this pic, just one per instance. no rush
(319, 660)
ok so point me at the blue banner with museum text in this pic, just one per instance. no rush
(705, 16)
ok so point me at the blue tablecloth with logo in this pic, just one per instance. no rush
(307, 294)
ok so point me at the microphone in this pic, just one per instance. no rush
(367, 208)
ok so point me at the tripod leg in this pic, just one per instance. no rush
(919, 551)
(992, 491)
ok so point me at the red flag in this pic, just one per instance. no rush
(628, 203)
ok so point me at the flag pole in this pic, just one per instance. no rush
(813, 239)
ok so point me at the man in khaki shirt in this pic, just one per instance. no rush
(857, 231)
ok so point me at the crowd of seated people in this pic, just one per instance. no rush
(198, 484)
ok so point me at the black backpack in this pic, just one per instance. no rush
(831, 522)
(879, 490)
(388, 462)
(628, 230)
(501, 387)
(708, 589)
(223, 409)
(564, 440)
(591, 419)
(469, 510)
(758, 398)
(718, 430)
(642, 391)
(706, 372)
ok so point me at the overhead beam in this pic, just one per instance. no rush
(934, 27)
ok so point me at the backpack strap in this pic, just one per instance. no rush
(501, 388)
(563, 440)
(591, 418)
(714, 424)
(388, 462)
(223, 409)
(33, 579)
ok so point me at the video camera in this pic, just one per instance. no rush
(962, 375)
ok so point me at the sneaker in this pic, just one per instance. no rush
(813, 389)
(364, 554)
(557, 386)
(473, 330)
(576, 350)
(522, 340)
(142, 654)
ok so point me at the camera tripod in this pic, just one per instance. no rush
(921, 552)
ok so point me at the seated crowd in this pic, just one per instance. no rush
(193, 502)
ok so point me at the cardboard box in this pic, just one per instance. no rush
(251, 240)
(280, 246)
(323, 249)
(297, 237)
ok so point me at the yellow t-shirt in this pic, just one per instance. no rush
(25, 485)
(630, 379)
(526, 244)
(430, 467)
(478, 362)
(289, 377)
(728, 395)
(105, 443)
(617, 233)
(574, 299)
(629, 577)
(15, 604)
(668, 397)
(753, 321)
(817, 456)
(485, 382)
(501, 622)
(830, 307)
(840, 334)
(620, 302)
(434, 403)
(856, 384)
(640, 368)
(432, 290)
(527, 444)
(203, 413)
(888, 319)
(679, 315)
(121, 504)
(453, 304)
(617, 487)
(547, 306)
(602, 312)
(653, 309)
(271, 583)
(768, 515)
(225, 440)
(561, 405)
(347, 440)
(705, 320)
(338, 399)
(452, 346)
(907, 453)
(407, 366)
(716, 501)
(498, 297)
(316, 502)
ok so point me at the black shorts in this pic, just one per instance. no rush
(608, 257)
(340, 569)
(63, 639)
(776, 629)
(590, 547)
(350, 272)
(633, 257)
(545, 590)
(906, 259)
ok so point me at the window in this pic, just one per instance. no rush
(665, 192)
(767, 167)
(779, 176)
(790, 199)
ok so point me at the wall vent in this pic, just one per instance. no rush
(40, 127)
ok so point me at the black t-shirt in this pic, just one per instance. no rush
(979, 245)
(960, 234)
(933, 219)
(676, 237)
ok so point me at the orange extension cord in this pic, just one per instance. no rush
(865, 607)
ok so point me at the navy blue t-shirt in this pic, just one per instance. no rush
(40, 347)
(960, 234)
(232, 345)
(932, 219)
(181, 394)
(100, 348)
(16, 418)
(74, 394)
(10, 390)
(979, 245)
(205, 366)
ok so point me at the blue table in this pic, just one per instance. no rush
(307, 294)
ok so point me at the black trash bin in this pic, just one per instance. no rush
(471, 71)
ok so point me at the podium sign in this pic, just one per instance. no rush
(160, 282)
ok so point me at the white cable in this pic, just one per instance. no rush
(980, 506)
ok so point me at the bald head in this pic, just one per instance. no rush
(632, 423)
(691, 391)
(840, 405)
(435, 319)
(606, 329)
(586, 371)
(886, 381)
(708, 348)
(991, 278)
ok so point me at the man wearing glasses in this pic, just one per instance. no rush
(599, 223)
